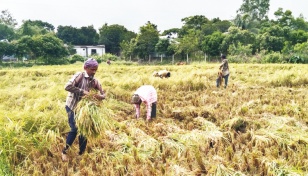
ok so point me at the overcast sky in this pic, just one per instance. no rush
(132, 14)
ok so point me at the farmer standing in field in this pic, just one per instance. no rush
(78, 86)
(148, 95)
(224, 67)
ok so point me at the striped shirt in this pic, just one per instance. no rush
(148, 95)
(225, 67)
(77, 84)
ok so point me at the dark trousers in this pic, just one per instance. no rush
(73, 133)
(153, 112)
(225, 78)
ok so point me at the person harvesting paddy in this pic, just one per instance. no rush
(224, 69)
(78, 86)
(148, 95)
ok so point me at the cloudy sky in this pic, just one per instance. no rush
(132, 14)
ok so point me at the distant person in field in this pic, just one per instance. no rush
(162, 74)
(78, 86)
(148, 95)
(224, 68)
(108, 62)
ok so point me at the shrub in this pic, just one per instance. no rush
(273, 58)
(76, 58)
(111, 57)
(236, 59)
(296, 59)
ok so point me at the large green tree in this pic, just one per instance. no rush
(146, 40)
(221, 25)
(172, 49)
(49, 48)
(211, 44)
(78, 36)
(111, 36)
(41, 24)
(6, 32)
(188, 43)
(251, 13)
(284, 18)
(68, 34)
(235, 36)
(162, 47)
(25, 47)
(7, 18)
(272, 38)
(6, 49)
(193, 23)
(298, 36)
(88, 35)
(300, 23)
(128, 48)
(256, 9)
(172, 31)
(36, 27)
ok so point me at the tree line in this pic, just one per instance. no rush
(250, 37)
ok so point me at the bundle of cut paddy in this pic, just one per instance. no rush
(91, 117)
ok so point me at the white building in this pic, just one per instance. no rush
(87, 51)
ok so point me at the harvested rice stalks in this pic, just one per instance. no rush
(90, 116)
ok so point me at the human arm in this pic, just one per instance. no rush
(97, 96)
(72, 84)
(221, 65)
(101, 95)
(137, 107)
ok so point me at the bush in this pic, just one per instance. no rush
(300, 54)
(97, 58)
(15, 65)
(111, 57)
(106, 57)
(273, 58)
(296, 59)
(236, 59)
(76, 58)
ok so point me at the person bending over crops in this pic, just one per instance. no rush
(148, 95)
(162, 74)
(78, 86)
(224, 67)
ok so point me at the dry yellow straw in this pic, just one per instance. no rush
(88, 119)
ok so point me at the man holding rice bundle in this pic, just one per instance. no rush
(224, 69)
(78, 86)
(148, 95)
